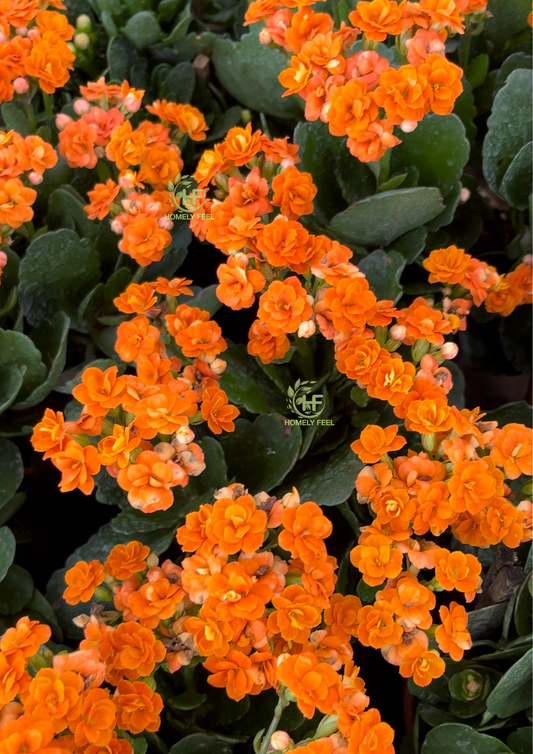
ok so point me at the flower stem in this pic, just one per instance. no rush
(272, 728)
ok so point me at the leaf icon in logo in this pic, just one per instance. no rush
(170, 186)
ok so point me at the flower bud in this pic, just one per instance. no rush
(81, 106)
(152, 560)
(72, 47)
(82, 41)
(419, 349)
(246, 117)
(280, 739)
(429, 363)
(35, 178)
(218, 366)
(132, 103)
(165, 223)
(464, 196)
(21, 85)
(126, 180)
(34, 34)
(291, 499)
(102, 594)
(3, 259)
(61, 120)
(165, 451)
(83, 23)
(183, 436)
(37, 662)
(265, 39)
(327, 726)
(528, 259)
(306, 329)
(116, 227)
(21, 31)
(398, 332)
(449, 350)
(408, 126)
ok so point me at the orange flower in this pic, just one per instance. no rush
(136, 299)
(100, 391)
(232, 673)
(293, 192)
(137, 651)
(434, 512)
(33, 153)
(314, 684)
(127, 147)
(424, 322)
(504, 299)
(455, 570)
(512, 451)
(304, 529)
(54, 698)
(251, 193)
(175, 287)
(376, 442)
(265, 346)
(77, 141)
(124, 561)
(395, 508)
(236, 524)
(371, 145)
(149, 481)
(212, 636)
(453, 636)
(217, 412)
(100, 198)
(422, 665)
(379, 18)
(296, 78)
(193, 533)
(160, 164)
(443, 13)
(502, 522)
(429, 416)
(235, 594)
(351, 109)
(294, 614)
(479, 279)
(15, 203)
(402, 92)
(136, 338)
(377, 627)
(240, 144)
(284, 306)
(200, 338)
(474, 484)
(377, 560)
(26, 637)
(19, 12)
(360, 358)
(411, 601)
(238, 285)
(50, 61)
(351, 302)
(138, 707)
(443, 83)
(14, 679)
(82, 579)
(163, 409)
(392, 380)
(286, 243)
(47, 20)
(49, 435)
(342, 616)
(155, 601)
(117, 447)
(144, 241)
(78, 465)
(231, 228)
(369, 733)
(521, 279)
(447, 265)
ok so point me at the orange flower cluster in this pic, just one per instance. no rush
(361, 95)
(57, 703)
(137, 425)
(34, 50)
(149, 154)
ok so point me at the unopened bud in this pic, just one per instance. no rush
(102, 594)
(21, 85)
(116, 227)
(280, 740)
(81, 106)
(21, 31)
(37, 662)
(408, 126)
(152, 560)
(81, 620)
(126, 180)
(291, 499)
(419, 349)
(83, 23)
(34, 34)
(327, 726)
(464, 196)
(306, 329)
(3, 259)
(264, 37)
(429, 442)
(82, 41)
(184, 436)
(449, 350)
(528, 259)
(246, 117)
(35, 178)
(218, 366)
(381, 334)
(72, 47)
(398, 332)
(61, 120)
(165, 451)
(132, 103)
(165, 223)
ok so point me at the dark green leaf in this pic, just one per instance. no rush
(519, 412)
(516, 183)
(206, 299)
(17, 351)
(506, 19)
(520, 741)
(201, 743)
(247, 385)
(513, 692)
(411, 245)
(462, 738)
(7, 550)
(16, 590)
(11, 470)
(143, 29)
(383, 272)
(179, 84)
(485, 620)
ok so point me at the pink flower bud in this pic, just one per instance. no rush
(165, 451)
(449, 350)
(21, 85)
(306, 329)
(3, 259)
(165, 223)
(464, 196)
(35, 178)
(265, 37)
(116, 227)
(132, 103)
(22, 31)
(218, 366)
(398, 332)
(408, 126)
(126, 180)
(99, 152)
(81, 107)
(61, 120)
(34, 34)
(528, 259)
(280, 740)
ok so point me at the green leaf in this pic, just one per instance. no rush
(516, 183)
(485, 620)
(11, 470)
(39, 607)
(18, 351)
(201, 743)
(510, 64)
(52, 336)
(249, 71)
(15, 117)
(411, 245)
(70, 379)
(522, 612)
(329, 482)
(57, 270)
(513, 692)
(7, 550)
(509, 128)
(381, 219)
(520, 740)
(179, 85)
(261, 454)
(461, 738)
(506, 19)
(143, 29)
(434, 716)
(247, 385)
(477, 70)
(206, 298)
(10, 385)
(65, 210)
(16, 590)
(511, 413)
(438, 148)
(186, 701)
(367, 593)
(383, 272)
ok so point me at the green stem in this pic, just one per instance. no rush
(31, 116)
(272, 728)
(48, 105)
(465, 52)
(350, 518)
